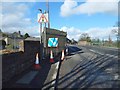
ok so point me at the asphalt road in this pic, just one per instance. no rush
(83, 67)
(87, 68)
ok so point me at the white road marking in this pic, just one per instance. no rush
(112, 55)
(55, 74)
(57, 66)
(116, 77)
(103, 54)
(96, 52)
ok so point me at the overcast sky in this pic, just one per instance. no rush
(95, 17)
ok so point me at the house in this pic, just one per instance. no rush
(14, 41)
(8, 40)
(68, 41)
(74, 41)
(83, 43)
(2, 43)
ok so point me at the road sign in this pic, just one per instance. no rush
(43, 18)
(52, 42)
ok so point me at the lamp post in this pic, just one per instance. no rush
(40, 28)
(47, 4)
(41, 53)
(41, 42)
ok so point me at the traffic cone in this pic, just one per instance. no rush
(63, 55)
(37, 65)
(51, 57)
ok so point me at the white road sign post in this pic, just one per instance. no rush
(42, 19)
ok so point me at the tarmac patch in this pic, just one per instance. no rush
(26, 79)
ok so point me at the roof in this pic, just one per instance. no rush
(68, 40)
(55, 32)
(2, 38)
(32, 39)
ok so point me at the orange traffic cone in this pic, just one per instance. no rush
(37, 65)
(51, 57)
(63, 55)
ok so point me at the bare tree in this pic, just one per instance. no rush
(85, 37)
(116, 31)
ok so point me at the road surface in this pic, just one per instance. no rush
(88, 68)
(83, 67)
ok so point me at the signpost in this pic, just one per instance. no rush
(42, 19)
(53, 43)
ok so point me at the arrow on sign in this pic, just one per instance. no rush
(53, 42)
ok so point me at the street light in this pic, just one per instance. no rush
(40, 10)
(41, 43)
(40, 36)
(47, 5)
(40, 27)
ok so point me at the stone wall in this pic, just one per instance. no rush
(15, 63)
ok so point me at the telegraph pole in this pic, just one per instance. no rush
(47, 4)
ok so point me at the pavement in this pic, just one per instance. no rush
(32, 78)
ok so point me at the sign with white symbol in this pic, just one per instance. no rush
(52, 42)
(43, 18)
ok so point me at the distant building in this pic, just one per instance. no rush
(83, 43)
(14, 41)
(68, 41)
(2, 43)
(8, 40)
(74, 41)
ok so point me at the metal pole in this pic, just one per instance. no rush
(40, 41)
(14, 43)
(45, 25)
(48, 13)
(43, 51)
(47, 5)
(40, 33)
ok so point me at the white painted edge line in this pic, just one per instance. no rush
(53, 77)
(55, 73)
(57, 65)
(103, 54)
(112, 55)
(95, 52)
(116, 77)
